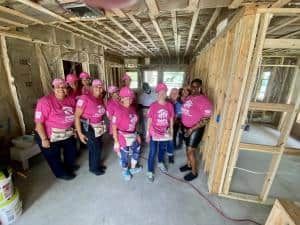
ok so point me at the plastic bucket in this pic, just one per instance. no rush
(11, 210)
(6, 187)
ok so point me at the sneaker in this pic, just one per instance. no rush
(126, 174)
(185, 168)
(150, 177)
(75, 167)
(162, 167)
(66, 177)
(171, 159)
(190, 176)
(136, 170)
(103, 167)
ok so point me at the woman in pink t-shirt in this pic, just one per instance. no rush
(74, 90)
(124, 126)
(85, 83)
(160, 130)
(54, 120)
(196, 111)
(90, 125)
(112, 103)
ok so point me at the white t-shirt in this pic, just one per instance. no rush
(147, 99)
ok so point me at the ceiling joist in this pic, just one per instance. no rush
(208, 26)
(280, 3)
(235, 4)
(175, 29)
(158, 30)
(192, 29)
(153, 8)
(288, 22)
(130, 34)
(13, 23)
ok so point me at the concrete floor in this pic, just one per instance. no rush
(109, 200)
(286, 184)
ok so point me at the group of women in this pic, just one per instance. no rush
(76, 109)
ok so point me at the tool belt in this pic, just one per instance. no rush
(130, 138)
(58, 134)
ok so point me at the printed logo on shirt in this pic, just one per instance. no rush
(80, 102)
(207, 111)
(132, 121)
(38, 115)
(69, 113)
(162, 117)
(185, 110)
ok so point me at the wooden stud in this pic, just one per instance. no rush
(246, 198)
(192, 29)
(259, 148)
(13, 23)
(129, 33)
(208, 27)
(284, 134)
(11, 85)
(282, 43)
(19, 14)
(280, 3)
(257, 55)
(280, 11)
(274, 107)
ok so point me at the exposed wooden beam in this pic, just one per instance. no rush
(280, 11)
(134, 20)
(4, 28)
(130, 34)
(119, 36)
(13, 23)
(174, 25)
(290, 34)
(178, 44)
(207, 28)
(282, 43)
(192, 29)
(193, 5)
(280, 3)
(235, 4)
(22, 36)
(12, 87)
(286, 23)
(274, 107)
(153, 8)
(103, 35)
(119, 13)
(259, 148)
(19, 14)
(158, 30)
(42, 9)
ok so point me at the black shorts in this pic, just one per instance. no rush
(194, 139)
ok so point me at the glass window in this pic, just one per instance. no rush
(151, 77)
(173, 79)
(134, 79)
(263, 85)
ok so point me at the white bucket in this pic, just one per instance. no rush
(11, 210)
(6, 187)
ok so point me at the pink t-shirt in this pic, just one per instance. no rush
(93, 108)
(126, 120)
(194, 109)
(160, 116)
(111, 106)
(55, 113)
(85, 90)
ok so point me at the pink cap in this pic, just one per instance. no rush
(58, 82)
(161, 87)
(126, 92)
(97, 82)
(126, 77)
(112, 89)
(84, 75)
(71, 78)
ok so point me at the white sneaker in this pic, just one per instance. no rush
(162, 167)
(150, 177)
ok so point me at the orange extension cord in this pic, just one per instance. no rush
(219, 211)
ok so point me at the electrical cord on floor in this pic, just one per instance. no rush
(219, 211)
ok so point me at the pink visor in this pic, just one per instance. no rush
(97, 82)
(126, 77)
(126, 92)
(112, 89)
(71, 78)
(57, 82)
(84, 75)
(161, 87)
